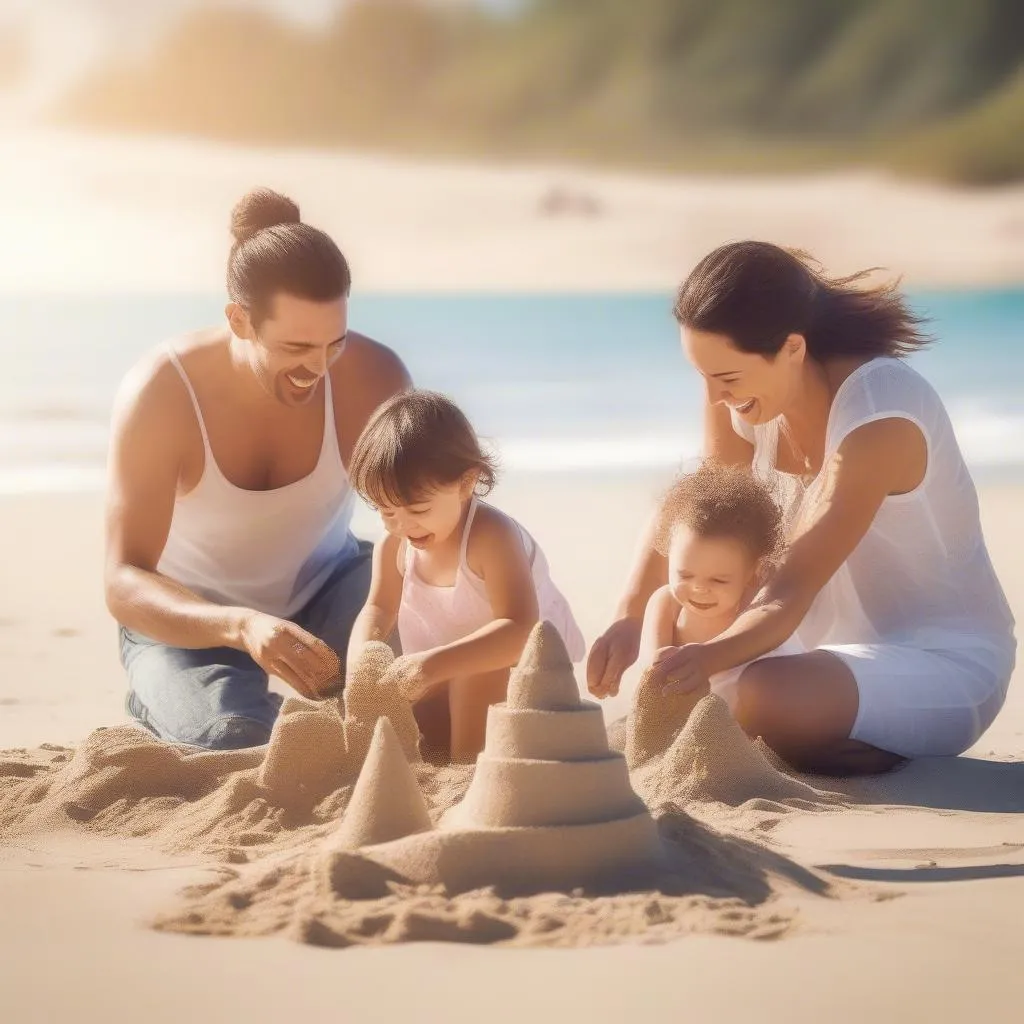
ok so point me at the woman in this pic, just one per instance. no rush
(886, 580)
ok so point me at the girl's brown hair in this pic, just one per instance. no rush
(718, 500)
(414, 441)
(757, 294)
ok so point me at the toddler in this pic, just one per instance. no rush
(463, 582)
(720, 529)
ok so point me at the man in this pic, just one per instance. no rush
(229, 553)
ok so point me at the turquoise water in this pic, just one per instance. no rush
(557, 382)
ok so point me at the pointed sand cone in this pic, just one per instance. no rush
(544, 679)
(386, 803)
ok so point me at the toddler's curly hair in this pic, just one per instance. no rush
(717, 500)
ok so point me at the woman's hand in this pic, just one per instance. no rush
(613, 652)
(681, 669)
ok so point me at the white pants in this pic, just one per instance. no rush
(922, 703)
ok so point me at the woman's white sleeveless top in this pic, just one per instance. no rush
(921, 575)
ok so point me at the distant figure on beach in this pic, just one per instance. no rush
(229, 555)
(719, 530)
(560, 201)
(886, 579)
(464, 583)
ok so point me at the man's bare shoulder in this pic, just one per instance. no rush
(152, 390)
(370, 365)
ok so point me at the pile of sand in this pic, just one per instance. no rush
(338, 833)
(689, 749)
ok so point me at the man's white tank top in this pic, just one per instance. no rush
(921, 575)
(266, 550)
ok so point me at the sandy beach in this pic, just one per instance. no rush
(151, 215)
(913, 894)
(925, 865)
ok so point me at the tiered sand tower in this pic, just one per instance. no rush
(550, 806)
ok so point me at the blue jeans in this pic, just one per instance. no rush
(218, 697)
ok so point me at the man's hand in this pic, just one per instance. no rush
(287, 651)
(681, 669)
(613, 652)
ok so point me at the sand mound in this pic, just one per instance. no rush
(338, 833)
(123, 781)
(371, 693)
(711, 760)
(655, 720)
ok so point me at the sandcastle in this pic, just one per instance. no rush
(340, 831)
(550, 805)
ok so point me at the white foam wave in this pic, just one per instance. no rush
(73, 460)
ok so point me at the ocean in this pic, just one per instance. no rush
(556, 383)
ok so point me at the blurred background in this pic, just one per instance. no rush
(519, 186)
(929, 87)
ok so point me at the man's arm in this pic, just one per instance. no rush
(150, 417)
(365, 376)
(143, 468)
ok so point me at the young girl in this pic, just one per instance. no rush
(720, 529)
(464, 582)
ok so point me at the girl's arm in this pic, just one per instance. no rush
(659, 629)
(379, 614)
(497, 554)
(885, 457)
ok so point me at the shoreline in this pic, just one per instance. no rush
(87, 482)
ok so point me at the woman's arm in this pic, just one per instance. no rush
(617, 648)
(721, 442)
(380, 612)
(885, 457)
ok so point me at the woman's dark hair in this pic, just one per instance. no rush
(275, 252)
(717, 500)
(414, 441)
(757, 294)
